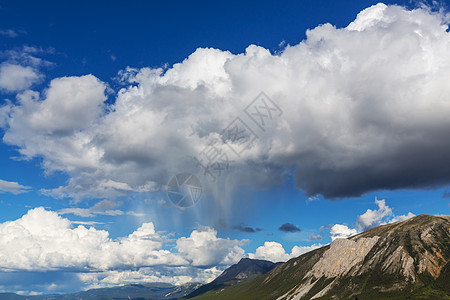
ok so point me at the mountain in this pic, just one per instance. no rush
(146, 291)
(244, 270)
(11, 296)
(402, 260)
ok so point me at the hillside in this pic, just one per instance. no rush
(407, 259)
(244, 270)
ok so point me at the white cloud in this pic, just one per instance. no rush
(12, 187)
(275, 252)
(339, 231)
(27, 56)
(204, 248)
(402, 217)
(17, 78)
(135, 214)
(9, 33)
(71, 104)
(271, 251)
(88, 212)
(383, 215)
(370, 18)
(28, 293)
(89, 223)
(299, 250)
(174, 275)
(372, 218)
(312, 198)
(350, 104)
(42, 240)
(104, 207)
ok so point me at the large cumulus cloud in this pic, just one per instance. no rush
(42, 243)
(364, 108)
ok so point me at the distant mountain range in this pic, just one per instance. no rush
(402, 260)
(146, 291)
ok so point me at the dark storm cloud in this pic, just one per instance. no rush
(247, 229)
(423, 163)
(289, 227)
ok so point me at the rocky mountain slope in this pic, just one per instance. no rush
(402, 260)
(245, 269)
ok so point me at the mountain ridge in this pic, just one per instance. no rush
(402, 260)
(142, 291)
(398, 260)
(244, 270)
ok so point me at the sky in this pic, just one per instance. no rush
(292, 124)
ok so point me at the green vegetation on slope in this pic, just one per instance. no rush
(383, 273)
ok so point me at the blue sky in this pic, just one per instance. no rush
(102, 103)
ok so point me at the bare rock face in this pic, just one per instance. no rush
(399, 262)
(342, 256)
